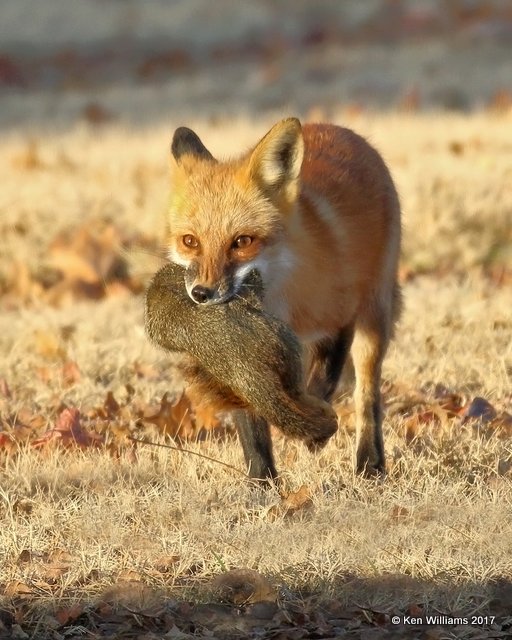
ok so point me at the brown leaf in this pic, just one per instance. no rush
(52, 574)
(69, 614)
(451, 402)
(69, 432)
(73, 265)
(504, 466)
(62, 556)
(109, 410)
(70, 373)
(415, 610)
(16, 588)
(398, 512)
(174, 419)
(88, 257)
(166, 563)
(111, 406)
(291, 503)
(7, 442)
(244, 586)
(298, 499)
(129, 575)
(25, 556)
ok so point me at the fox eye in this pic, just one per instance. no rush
(190, 241)
(242, 242)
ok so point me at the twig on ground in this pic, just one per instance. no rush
(194, 453)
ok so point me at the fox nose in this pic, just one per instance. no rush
(201, 294)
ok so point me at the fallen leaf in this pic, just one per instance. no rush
(398, 512)
(415, 610)
(69, 432)
(291, 503)
(111, 406)
(166, 563)
(70, 373)
(16, 588)
(25, 556)
(129, 575)
(174, 418)
(69, 614)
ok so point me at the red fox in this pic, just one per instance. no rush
(314, 209)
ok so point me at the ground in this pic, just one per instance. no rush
(103, 536)
(109, 534)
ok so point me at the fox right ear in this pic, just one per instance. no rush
(186, 143)
(276, 161)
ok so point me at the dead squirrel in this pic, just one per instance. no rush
(237, 356)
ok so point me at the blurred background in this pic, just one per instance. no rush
(137, 62)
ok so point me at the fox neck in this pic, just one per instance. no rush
(277, 270)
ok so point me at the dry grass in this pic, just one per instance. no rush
(437, 531)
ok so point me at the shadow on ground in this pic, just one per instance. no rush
(242, 604)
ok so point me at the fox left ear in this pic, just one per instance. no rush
(187, 144)
(276, 160)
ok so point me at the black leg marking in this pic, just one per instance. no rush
(328, 359)
(377, 434)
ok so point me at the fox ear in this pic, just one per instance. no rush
(187, 144)
(276, 160)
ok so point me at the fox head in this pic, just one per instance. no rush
(228, 218)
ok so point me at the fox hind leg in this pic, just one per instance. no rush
(372, 335)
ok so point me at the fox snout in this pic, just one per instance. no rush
(207, 290)
(227, 286)
(202, 294)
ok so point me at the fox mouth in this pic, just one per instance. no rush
(206, 296)
(215, 299)
(224, 290)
